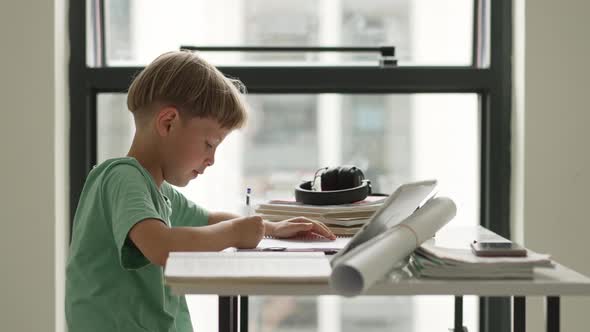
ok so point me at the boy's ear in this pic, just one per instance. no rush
(166, 119)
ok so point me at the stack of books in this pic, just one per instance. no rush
(432, 261)
(343, 219)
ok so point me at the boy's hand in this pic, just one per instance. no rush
(298, 226)
(247, 231)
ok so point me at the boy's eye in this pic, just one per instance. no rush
(209, 146)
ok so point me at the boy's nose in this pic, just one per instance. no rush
(210, 159)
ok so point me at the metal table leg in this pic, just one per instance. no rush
(552, 313)
(458, 326)
(518, 314)
(228, 314)
(243, 313)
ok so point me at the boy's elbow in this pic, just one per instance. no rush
(152, 238)
(158, 258)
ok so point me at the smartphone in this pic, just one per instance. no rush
(497, 249)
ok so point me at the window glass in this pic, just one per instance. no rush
(394, 138)
(424, 32)
(364, 313)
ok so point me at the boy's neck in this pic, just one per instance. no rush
(143, 152)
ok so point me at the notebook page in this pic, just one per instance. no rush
(308, 242)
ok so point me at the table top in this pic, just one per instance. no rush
(547, 281)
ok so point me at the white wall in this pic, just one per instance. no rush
(32, 148)
(556, 136)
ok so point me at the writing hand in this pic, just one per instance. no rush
(247, 231)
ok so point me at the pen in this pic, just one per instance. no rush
(248, 193)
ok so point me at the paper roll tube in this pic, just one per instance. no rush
(359, 269)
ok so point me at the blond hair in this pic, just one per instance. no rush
(198, 89)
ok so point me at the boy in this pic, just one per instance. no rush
(130, 217)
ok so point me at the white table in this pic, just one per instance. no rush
(549, 282)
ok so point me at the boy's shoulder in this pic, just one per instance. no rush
(126, 168)
(110, 164)
(112, 178)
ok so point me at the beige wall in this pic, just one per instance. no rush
(32, 145)
(556, 137)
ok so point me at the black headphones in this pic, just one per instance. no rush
(339, 185)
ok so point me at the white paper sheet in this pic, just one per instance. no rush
(309, 243)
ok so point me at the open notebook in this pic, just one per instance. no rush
(309, 243)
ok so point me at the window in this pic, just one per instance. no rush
(443, 112)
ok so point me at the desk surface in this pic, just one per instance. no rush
(557, 281)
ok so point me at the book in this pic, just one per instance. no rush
(371, 203)
(344, 231)
(227, 266)
(345, 215)
(353, 220)
(338, 216)
(433, 261)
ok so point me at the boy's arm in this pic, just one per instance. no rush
(216, 217)
(156, 240)
(284, 229)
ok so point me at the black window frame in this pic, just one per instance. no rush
(493, 85)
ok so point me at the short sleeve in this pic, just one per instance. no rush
(128, 200)
(184, 211)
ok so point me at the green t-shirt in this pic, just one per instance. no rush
(110, 285)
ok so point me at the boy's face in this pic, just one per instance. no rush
(189, 148)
